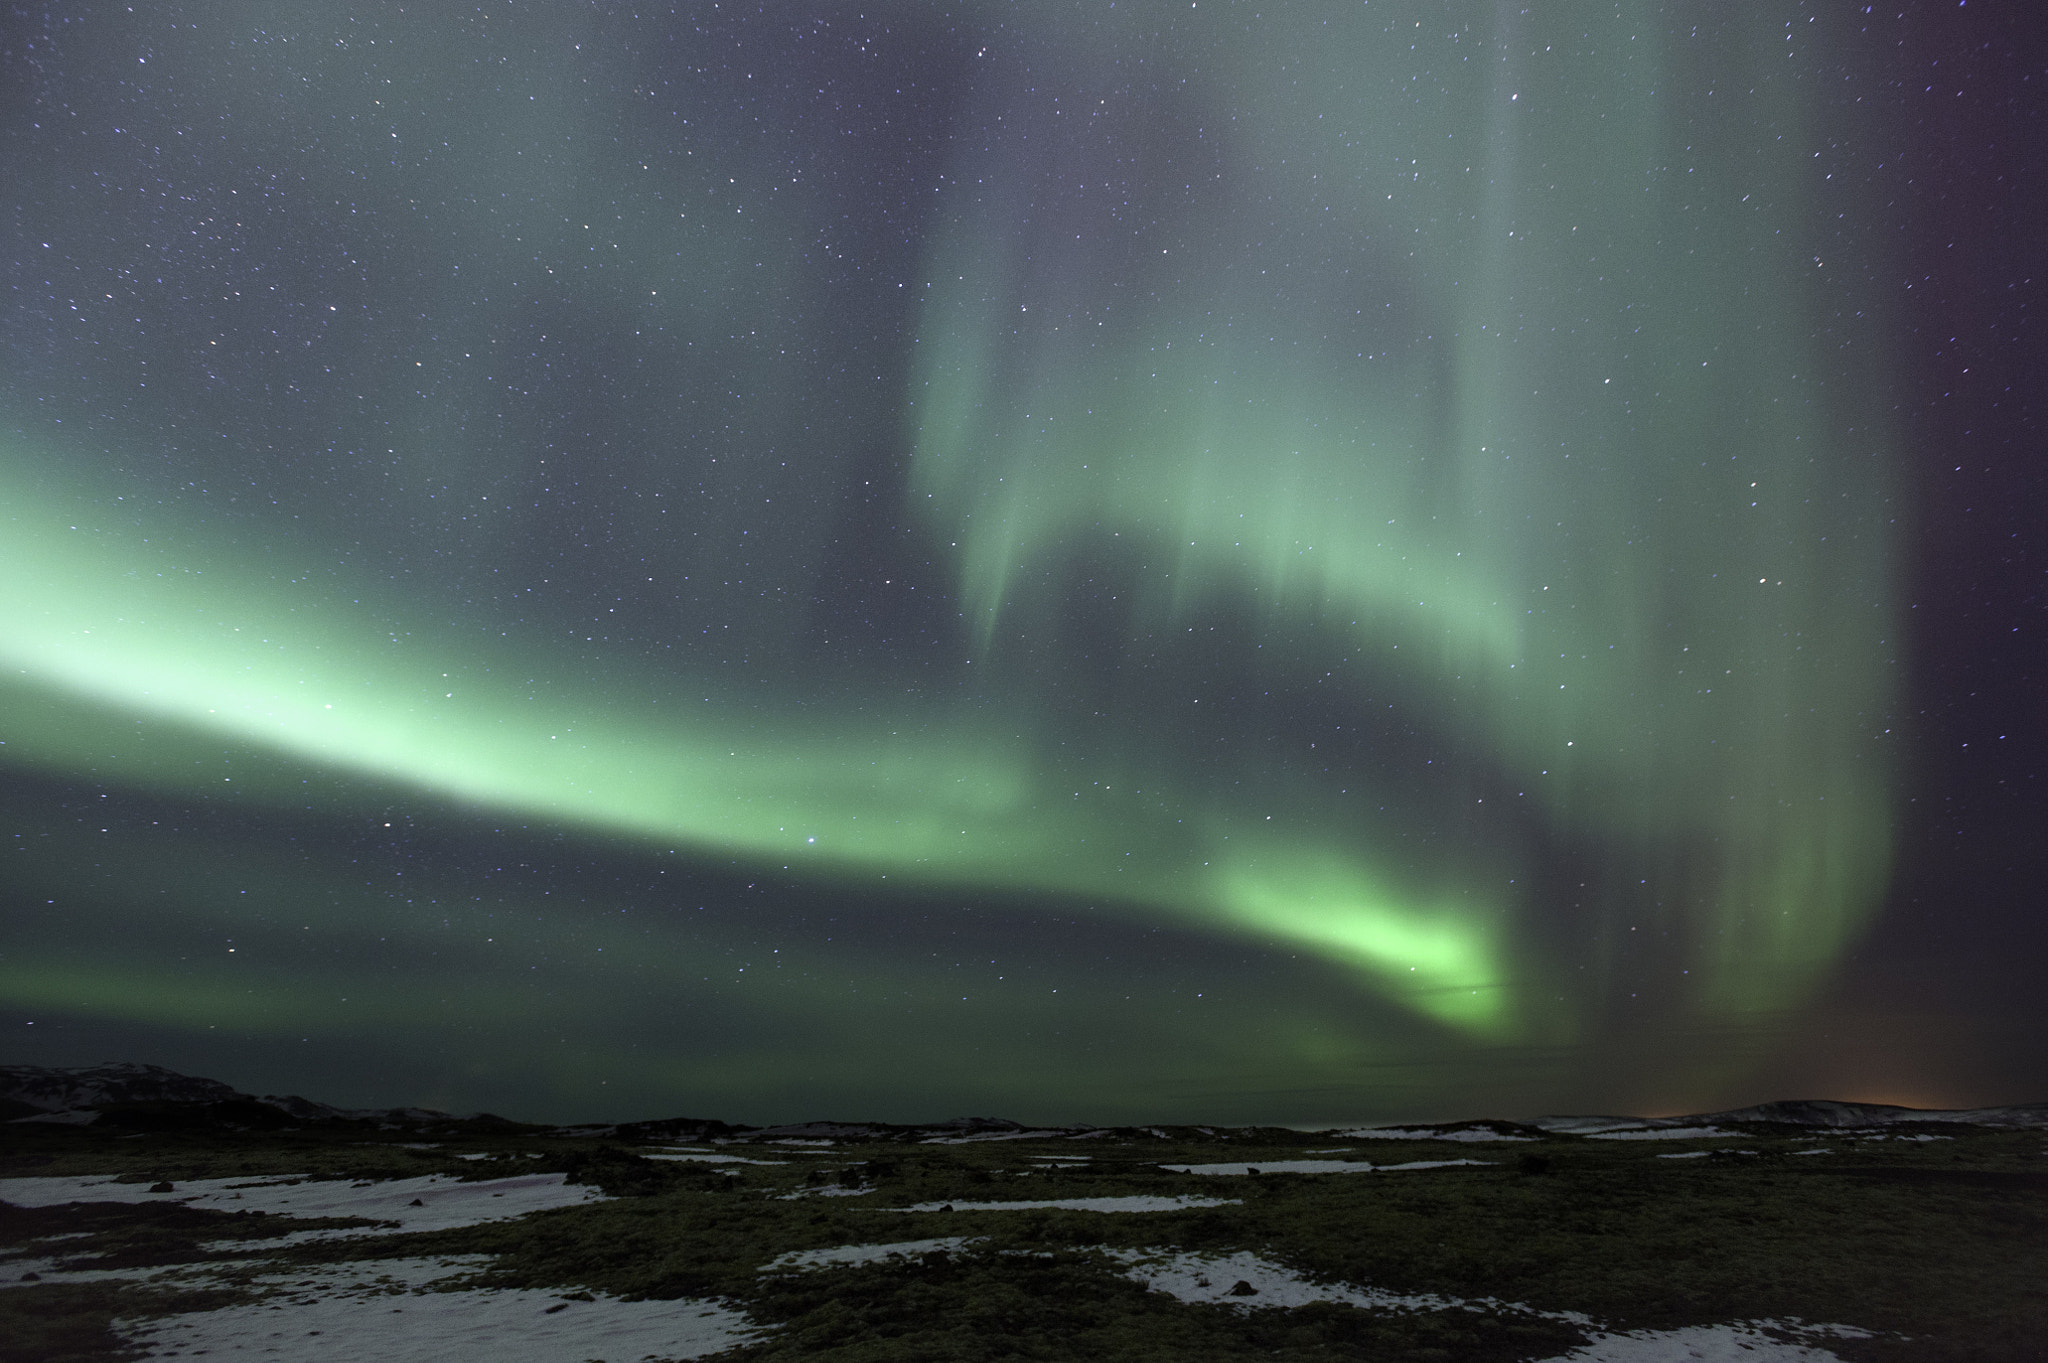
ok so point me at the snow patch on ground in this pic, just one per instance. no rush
(1212, 1277)
(445, 1203)
(387, 1310)
(840, 1255)
(1278, 1166)
(70, 1118)
(1223, 1280)
(1418, 1133)
(1662, 1133)
(709, 1159)
(1756, 1341)
(1314, 1166)
(1886, 1136)
(1079, 1204)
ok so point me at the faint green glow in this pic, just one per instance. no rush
(1525, 389)
(140, 993)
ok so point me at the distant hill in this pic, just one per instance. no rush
(1810, 1112)
(150, 1096)
(147, 1096)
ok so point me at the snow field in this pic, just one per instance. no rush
(414, 1310)
(445, 1203)
(390, 1310)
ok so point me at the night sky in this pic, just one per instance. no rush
(1063, 560)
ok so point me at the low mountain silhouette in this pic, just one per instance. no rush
(141, 1096)
(152, 1097)
(1810, 1112)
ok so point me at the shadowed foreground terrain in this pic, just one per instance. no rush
(150, 1215)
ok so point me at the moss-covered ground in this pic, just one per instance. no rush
(1938, 1247)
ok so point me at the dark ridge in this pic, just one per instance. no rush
(151, 1098)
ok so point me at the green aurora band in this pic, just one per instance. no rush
(1515, 373)
(97, 615)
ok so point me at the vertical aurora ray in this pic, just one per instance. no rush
(1520, 353)
(1413, 495)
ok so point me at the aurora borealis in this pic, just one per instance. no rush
(1092, 562)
